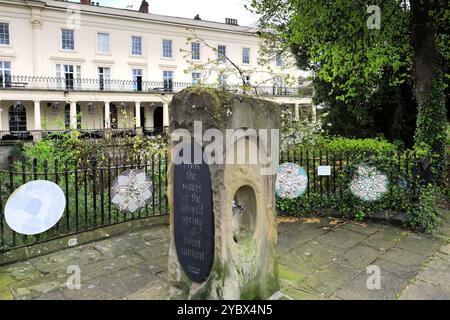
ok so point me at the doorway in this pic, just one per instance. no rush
(142, 124)
(158, 118)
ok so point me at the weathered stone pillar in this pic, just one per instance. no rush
(297, 112)
(223, 228)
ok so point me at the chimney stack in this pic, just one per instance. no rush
(85, 2)
(232, 22)
(144, 7)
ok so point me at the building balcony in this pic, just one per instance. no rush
(130, 86)
(30, 135)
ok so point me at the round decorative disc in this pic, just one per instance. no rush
(369, 184)
(131, 191)
(35, 207)
(291, 182)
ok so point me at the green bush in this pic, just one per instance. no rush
(287, 206)
(344, 145)
(65, 149)
(422, 213)
(68, 148)
(340, 144)
(431, 132)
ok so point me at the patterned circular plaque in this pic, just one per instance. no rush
(35, 207)
(291, 182)
(369, 184)
(131, 191)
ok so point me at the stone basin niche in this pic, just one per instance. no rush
(222, 223)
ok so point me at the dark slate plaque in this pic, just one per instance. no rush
(193, 217)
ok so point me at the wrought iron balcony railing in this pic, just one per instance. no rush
(113, 85)
(29, 135)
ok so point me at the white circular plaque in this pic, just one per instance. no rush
(35, 207)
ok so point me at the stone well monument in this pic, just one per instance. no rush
(223, 228)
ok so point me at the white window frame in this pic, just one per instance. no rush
(135, 73)
(197, 55)
(100, 43)
(222, 57)
(61, 75)
(141, 46)
(104, 77)
(62, 39)
(196, 77)
(5, 73)
(278, 59)
(165, 78)
(164, 52)
(8, 34)
(244, 56)
(248, 79)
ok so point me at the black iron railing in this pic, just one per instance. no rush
(88, 194)
(405, 172)
(114, 85)
(88, 187)
(407, 164)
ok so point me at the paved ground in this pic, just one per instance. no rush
(318, 263)
(318, 259)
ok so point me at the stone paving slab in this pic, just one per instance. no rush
(386, 238)
(445, 249)
(358, 257)
(362, 227)
(341, 238)
(318, 259)
(298, 294)
(309, 257)
(437, 272)
(422, 290)
(294, 235)
(432, 282)
(420, 243)
(327, 280)
(393, 280)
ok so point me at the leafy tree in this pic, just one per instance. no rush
(386, 110)
(350, 43)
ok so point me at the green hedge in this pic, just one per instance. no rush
(344, 145)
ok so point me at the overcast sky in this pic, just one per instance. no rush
(213, 10)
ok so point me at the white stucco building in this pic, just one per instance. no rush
(80, 65)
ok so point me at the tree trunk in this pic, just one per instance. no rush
(429, 90)
(424, 48)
